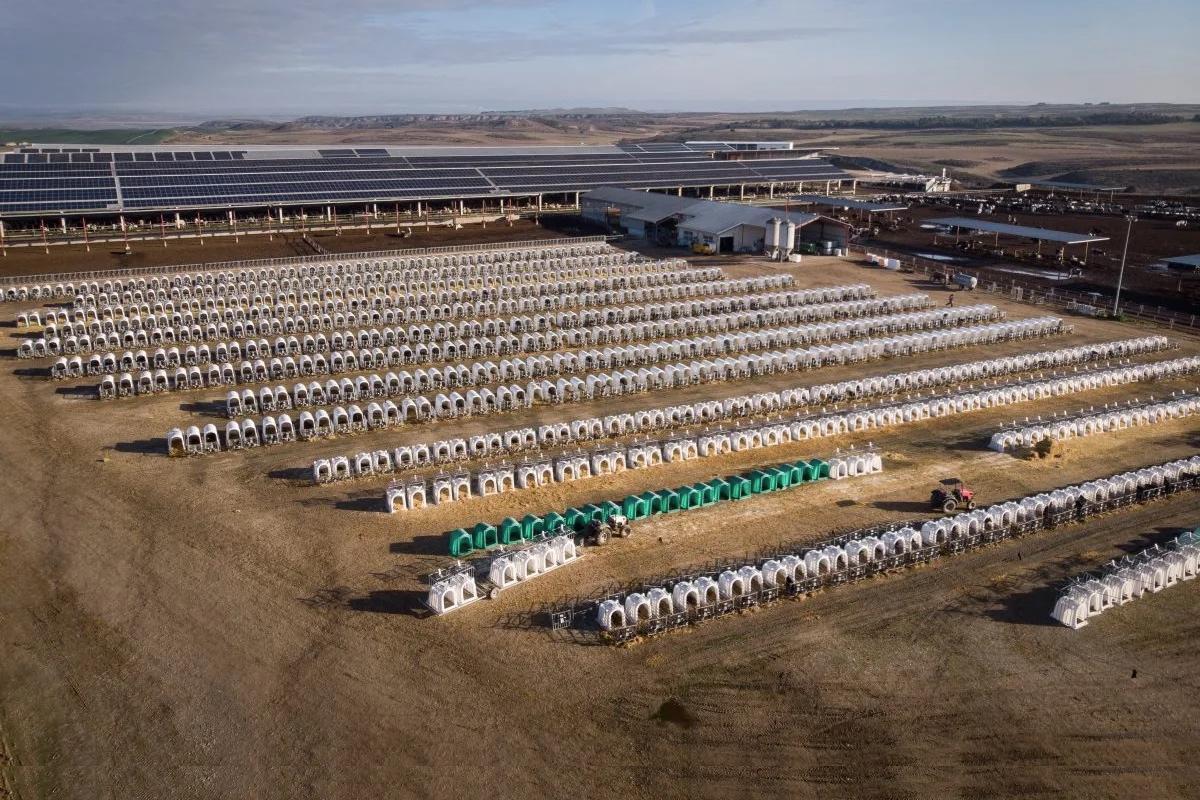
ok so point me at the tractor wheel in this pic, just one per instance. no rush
(601, 538)
(949, 505)
(970, 505)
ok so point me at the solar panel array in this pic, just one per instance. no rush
(91, 180)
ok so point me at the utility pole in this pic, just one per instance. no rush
(1129, 219)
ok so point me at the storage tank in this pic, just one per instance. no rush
(827, 247)
(789, 237)
(966, 281)
(772, 226)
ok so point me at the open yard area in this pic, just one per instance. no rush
(221, 626)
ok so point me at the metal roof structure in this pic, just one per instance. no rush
(1041, 234)
(831, 201)
(1083, 187)
(1187, 262)
(642, 206)
(46, 179)
(706, 216)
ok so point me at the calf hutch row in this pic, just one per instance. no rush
(418, 318)
(394, 331)
(340, 268)
(506, 477)
(695, 597)
(389, 414)
(1129, 578)
(1092, 423)
(664, 501)
(590, 429)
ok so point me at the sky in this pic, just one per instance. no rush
(220, 58)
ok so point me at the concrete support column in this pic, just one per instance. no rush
(418, 208)
(502, 206)
(577, 199)
(826, 187)
(462, 207)
(854, 186)
(375, 210)
(329, 213)
(679, 192)
(711, 192)
(742, 192)
(771, 190)
(63, 221)
(539, 202)
(281, 215)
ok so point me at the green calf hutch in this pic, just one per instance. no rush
(461, 542)
(740, 487)
(761, 480)
(640, 506)
(531, 526)
(485, 536)
(720, 489)
(634, 507)
(689, 497)
(576, 519)
(654, 503)
(551, 521)
(510, 531)
(786, 476)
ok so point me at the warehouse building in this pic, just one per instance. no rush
(710, 226)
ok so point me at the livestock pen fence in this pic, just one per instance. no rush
(287, 261)
(1079, 302)
(579, 619)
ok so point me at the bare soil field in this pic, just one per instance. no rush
(216, 627)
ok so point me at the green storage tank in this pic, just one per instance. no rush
(461, 543)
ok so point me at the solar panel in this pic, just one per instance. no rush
(223, 178)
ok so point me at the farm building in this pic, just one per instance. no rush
(709, 225)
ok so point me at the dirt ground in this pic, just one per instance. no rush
(214, 627)
(1151, 241)
(151, 253)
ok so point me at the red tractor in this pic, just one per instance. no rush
(951, 497)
